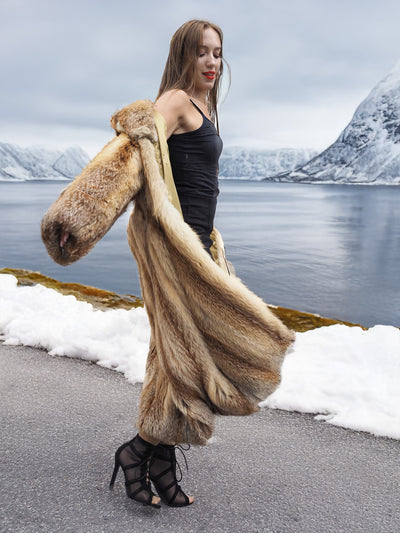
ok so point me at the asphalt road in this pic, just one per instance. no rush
(62, 419)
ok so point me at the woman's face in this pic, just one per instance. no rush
(208, 61)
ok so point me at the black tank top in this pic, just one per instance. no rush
(194, 159)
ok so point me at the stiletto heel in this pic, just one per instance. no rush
(162, 471)
(115, 472)
(133, 457)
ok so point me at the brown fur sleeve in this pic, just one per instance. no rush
(136, 120)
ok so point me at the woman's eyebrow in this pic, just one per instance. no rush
(206, 47)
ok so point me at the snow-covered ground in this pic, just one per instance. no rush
(346, 376)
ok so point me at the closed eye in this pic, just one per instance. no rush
(204, 50)
(217, 56)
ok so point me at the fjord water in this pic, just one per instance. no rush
(327, 249)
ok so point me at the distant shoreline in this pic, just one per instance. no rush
(260, 179)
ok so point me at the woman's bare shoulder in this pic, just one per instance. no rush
(173, 105)
(174, 99)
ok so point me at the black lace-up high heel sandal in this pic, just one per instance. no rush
(162, 472)
(133, 457)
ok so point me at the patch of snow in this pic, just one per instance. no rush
(346, 376)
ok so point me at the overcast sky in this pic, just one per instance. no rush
(299, 67)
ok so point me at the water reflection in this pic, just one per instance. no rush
(334, 248)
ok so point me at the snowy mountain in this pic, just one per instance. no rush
(36, 162)
(368, 150)
(257, 164)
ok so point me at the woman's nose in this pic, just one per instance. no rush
(211, 60)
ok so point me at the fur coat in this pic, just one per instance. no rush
(215, 346)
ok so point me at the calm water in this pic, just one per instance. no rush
(329, 249)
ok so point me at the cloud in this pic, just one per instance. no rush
(299, 67)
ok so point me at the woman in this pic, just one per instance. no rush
(215, 347)
(187, 100)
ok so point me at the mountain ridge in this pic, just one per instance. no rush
(256, 164)
(367, 151)
(40, 163)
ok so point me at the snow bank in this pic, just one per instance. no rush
(347, 376)
(42, 317)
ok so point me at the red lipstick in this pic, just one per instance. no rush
(210, 74)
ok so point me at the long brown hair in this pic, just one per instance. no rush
(180, 67)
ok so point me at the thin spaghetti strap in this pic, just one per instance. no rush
(198, 108)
